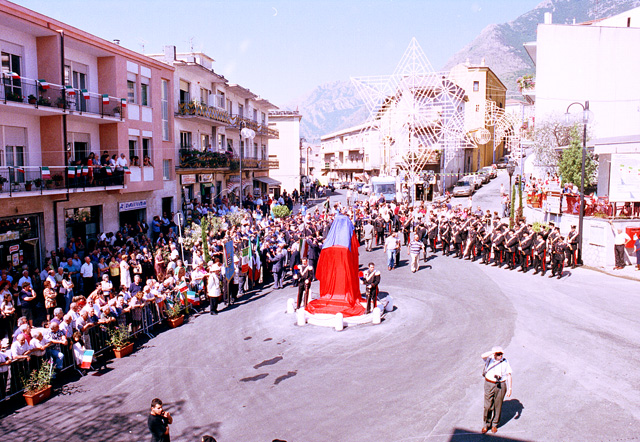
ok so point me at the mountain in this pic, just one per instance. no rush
(501, 45)
(335, 106)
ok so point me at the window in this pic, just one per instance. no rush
(264, 152)
(243, 154)
(255, 115)
(221, 142)
(204, 96)
(146, 148)
(12, 62)
(165, 110)
(264, 119)
(241, 110)
(184, 91)
(204, 142)
(166, 170)
(185, 140)
(132, 79)
(14, 150)
(476, 86)
(133, 150)
(145, 99)
(477, 108)
(230, 145)
(255, 150)
(230, 107)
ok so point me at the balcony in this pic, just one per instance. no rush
(41, 98)
(195, 109)
(193, 159)
(28, 181)
(240, 121)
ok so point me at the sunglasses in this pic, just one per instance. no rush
(498, 354)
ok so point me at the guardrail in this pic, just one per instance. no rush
(38, 180)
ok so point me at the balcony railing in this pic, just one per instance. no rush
(240, 122)
(42, 180)
(203, 110)
(195, 159)
(43, 94)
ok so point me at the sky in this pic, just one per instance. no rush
(282, 49)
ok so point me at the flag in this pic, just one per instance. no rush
(256, 257)
(123, 102)
(44, 84)
(246, 256)
(109, 171)
(12, 75)
(87, 358)
(85, 94)
(127, 171)
(69, 89)
(182, 287)
(46, 173)
(85, 170)
(229, 186)
(250, 264)
(105, 98)
(20, 169)
(71, 172)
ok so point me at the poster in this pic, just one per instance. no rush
(228, 260)
(624, 178)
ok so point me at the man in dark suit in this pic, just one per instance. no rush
(277, 268)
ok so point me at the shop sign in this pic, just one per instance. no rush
(189, 179)
(133, 205)
(9, 236)
(206, 177)
(14, 248)
(554, 202)
(234, 178)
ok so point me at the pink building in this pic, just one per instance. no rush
(68, 100)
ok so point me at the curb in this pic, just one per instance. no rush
(612, 273)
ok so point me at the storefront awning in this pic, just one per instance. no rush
(267, 180)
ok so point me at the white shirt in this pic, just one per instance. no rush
(501, 369)
(121, 162)
(4, 358)
(621, 238)
(86, 270)
(19, 350)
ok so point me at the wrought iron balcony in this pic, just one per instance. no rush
(193, 108)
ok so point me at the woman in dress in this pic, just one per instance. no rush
(49, 298)
(125, 276)
(114, 272)
(159, 265)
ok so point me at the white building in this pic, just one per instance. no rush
(286, 152)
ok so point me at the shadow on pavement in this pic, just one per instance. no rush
(461, 435)
(511, 409)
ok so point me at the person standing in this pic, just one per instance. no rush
(304, 284)
(391, 249)
(572, 250)
(636, 246)
(620, 240)
(158, 422)
(415, 247)
(497, 385)
(213, 287)
(368, 235)
(371, 280)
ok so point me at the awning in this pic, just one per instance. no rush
(267, 180)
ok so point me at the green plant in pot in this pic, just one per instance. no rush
(37, 387)
(38, 182)
(28, 185)
(44, 101)
(120, 339)
(32, 99)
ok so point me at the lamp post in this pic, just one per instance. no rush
(586, 116)
(248, 135)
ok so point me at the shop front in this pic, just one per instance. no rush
(267, 185)
(207, 191)
(20, 241)
(83, 223)
(131, 212)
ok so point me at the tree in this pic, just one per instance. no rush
(570, 164)
(549, 136)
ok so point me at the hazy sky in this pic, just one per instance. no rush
(283, 49)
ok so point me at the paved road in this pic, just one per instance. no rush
(250, 374)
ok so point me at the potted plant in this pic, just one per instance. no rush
(32, 99)
(2, 181)
(37, 388)
(38, 182)
(44, 101)
(60, 102)
(58, 180)
(12, 96)
(117, 111)
(119, 338)
(48, 184)
(27, 185)
(174, 316)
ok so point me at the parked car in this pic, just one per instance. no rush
(475, 181)
(502, 162)
(366, 189)
(490, 171)
(463, 188)
(359, 187)
(484, 175)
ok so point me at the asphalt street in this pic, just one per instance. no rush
(250, 374)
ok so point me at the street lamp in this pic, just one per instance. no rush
(586, 117)
(248, 135)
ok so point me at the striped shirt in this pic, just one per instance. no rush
(415, 247)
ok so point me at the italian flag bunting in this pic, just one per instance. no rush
(46, 173)
(85, 170)
(71, 172)
(246, 257)
(12, 75)
(85, 94)
(69, 89)
(109, 171)
(123, 102)
(44, 84)
(105, 98)
(256, 256)
(127, 171)
(20, 169)
(182, 287)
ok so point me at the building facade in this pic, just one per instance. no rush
(69, 100)
(213, 159)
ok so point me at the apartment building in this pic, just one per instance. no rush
(68, 100)
(213, 157)
(347, 154)
(286, 154)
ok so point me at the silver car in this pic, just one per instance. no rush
(463, 188)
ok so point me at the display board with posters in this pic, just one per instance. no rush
(624, 178)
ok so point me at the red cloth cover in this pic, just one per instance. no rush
(339, 284)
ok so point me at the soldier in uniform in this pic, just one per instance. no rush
(456, 232)
(432, 233)
(445, 236)
(486, 247)
(511, 248)
(540, 254)
(557, 257)
(497, 242)
(371, 279)
(526, 244)
(304, 282)
(572, 250)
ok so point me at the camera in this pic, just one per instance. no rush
(498, 378)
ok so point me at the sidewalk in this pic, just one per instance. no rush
(629, 272)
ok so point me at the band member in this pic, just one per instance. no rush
(304, 282)
(371, 279)
(526, 244)
(572, 250)
(557, 257)
(540, 255)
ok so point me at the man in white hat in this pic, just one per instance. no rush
(497, 384)
(213, 287)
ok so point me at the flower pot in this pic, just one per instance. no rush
(32, 101)
(37, 397)
(175, 322)
(27, 187)
(123, 351)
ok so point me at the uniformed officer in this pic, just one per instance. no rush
(371, 279)
(572, 250)
(497, 385)
(304, 282)
(557, 257)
